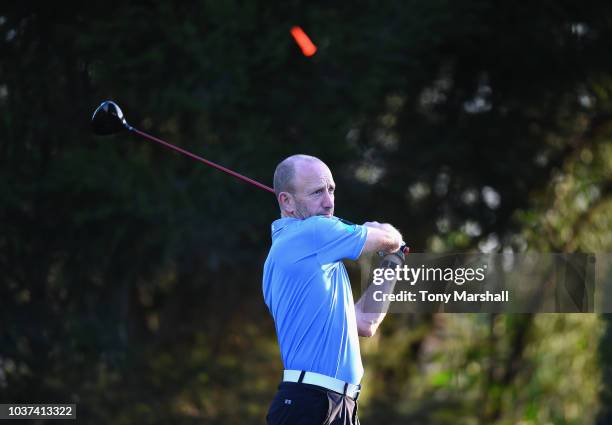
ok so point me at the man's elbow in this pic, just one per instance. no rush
(367, 330)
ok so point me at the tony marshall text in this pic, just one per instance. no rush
(426, 296)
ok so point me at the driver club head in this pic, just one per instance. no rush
(108, 119)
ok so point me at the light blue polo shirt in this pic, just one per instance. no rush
(308, 292)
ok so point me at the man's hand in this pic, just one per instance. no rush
(382, 237)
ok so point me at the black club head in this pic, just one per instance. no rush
(108, 119)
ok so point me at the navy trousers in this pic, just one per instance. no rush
(305, 404)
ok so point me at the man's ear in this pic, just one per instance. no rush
(287, 203)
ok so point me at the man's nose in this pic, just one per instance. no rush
(328, 200)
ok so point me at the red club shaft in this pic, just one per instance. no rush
(204, 160)
(404, 248)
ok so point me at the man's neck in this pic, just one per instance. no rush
(286, 215)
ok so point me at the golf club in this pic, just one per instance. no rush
(108, 119)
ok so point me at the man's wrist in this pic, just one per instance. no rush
(398, 254)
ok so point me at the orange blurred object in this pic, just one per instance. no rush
(303, 41)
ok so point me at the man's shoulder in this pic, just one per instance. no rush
(320, 221)
(317, 223)
(330, 224)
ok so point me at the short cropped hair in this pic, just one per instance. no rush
(285, 173)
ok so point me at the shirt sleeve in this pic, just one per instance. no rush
(335, 240)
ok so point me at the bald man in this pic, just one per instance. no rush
(308, 292)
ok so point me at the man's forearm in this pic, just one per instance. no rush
(370, 313)
(382, 237)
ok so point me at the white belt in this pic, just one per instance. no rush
(324, 381)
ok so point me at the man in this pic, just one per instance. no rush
(307, 290)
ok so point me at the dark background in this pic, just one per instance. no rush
(131, 276)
